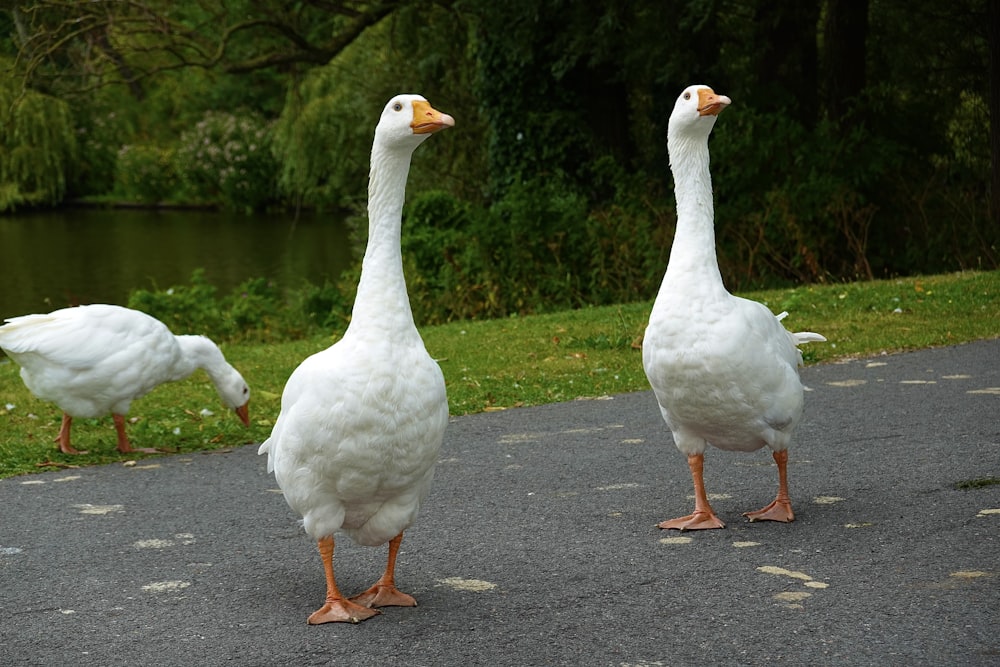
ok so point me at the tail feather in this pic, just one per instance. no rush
(802, 336)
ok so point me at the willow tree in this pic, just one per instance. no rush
(37, 147)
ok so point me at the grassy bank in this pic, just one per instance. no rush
(507, 363)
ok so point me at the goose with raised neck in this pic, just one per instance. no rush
(361, 422)
(723, 368)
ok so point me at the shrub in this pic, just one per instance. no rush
(185, 308)
(145, 173)
(256, 310)
(227, 159)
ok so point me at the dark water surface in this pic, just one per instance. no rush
(52, 259)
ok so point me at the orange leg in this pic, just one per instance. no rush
(384, 593)
(63, 437)
(337, 608)
(780, 508)
(704, 516)
(124, 446)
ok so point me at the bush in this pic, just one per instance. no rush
(256, 310)
(145, 174)
(227, 159)
(185, 308)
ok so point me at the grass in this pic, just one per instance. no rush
(498, 364)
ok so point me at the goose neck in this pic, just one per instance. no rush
(198, 352)
(693, 251)
(381, 299)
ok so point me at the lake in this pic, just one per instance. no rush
(52, 259)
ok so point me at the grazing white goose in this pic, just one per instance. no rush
(361, 422)
(96, 359)
(723, 369)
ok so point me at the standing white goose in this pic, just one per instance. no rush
(361, 422)
(96, 359)
(723, 369)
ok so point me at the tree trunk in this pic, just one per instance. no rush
(785, 38)
(993, 18)
(845, 33)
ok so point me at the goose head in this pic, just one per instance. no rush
(695, 112)
(407, 120)
(235, 393)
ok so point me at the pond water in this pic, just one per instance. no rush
(52, 259)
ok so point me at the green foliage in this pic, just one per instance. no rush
(537, 249)
(145, 173)
(443, 259)
(99, 134)
(227, 158)
(323, 162)
(185, 308)
(38, 146)
(256, 310)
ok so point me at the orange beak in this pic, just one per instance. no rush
(243, 412)
(710, 104)
(428, 120)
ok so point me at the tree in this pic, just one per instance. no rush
(75, 46)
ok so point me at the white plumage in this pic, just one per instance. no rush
(96, 359)
(723, 369)
(361, 422)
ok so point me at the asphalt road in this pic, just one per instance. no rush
(538, 545)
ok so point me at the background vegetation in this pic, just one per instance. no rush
(859, 144)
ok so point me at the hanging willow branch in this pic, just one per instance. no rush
(79, 46)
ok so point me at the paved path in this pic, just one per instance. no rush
(539, 546)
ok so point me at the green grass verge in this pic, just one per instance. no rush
(506, 363)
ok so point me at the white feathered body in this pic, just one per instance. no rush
(355, 444)
(96, 359)
(724, 370)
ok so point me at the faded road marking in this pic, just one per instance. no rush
(847, 383)
(987, 390)
(792, 596)
(676, 540)
(87, 508)
(166, 586)
(990, 511)
(618, 487)
(827, 500)
(743, 545)
(773, 569)
(180, 538)
(473, 585)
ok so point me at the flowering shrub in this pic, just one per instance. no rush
(227, 158)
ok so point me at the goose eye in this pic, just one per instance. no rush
(687, 96)
(397, 107)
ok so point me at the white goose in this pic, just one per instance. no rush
(361, 422)
(723, 369)
(96, 359)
